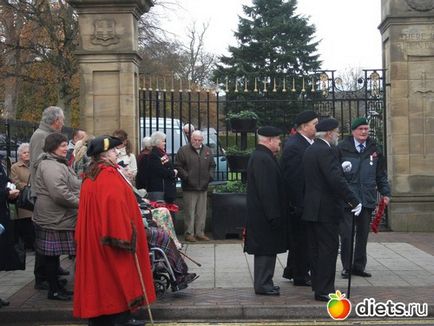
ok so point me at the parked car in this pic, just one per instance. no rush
(210, 138)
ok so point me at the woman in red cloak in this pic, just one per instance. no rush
(113, 273)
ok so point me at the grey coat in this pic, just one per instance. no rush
(57, 189)
(37, 142)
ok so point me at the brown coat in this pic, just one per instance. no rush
(20, 174)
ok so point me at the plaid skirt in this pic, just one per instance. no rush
(54, 242)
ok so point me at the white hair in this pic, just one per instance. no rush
(51, 114)
(320, 134)
(157, 138)
(22, 148)
(188, 127)
(146, 142)
(197, 133)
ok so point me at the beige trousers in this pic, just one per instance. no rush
(194, 212)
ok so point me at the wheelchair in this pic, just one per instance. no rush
(164, 277)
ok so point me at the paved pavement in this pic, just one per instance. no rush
(402, 266)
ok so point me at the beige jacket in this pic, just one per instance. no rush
(57, 189)
(20, 174)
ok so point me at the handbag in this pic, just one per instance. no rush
(25, 199)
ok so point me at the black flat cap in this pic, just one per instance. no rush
(304, 117)
(327, 124)
(269, 131)
(102, 144)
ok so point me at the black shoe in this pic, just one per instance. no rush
(66, 292)
(287, 274)
(271, 292)
(345, 273)
(322, 297)
(276, 287)
(361, 273)
(303, 283)
(62, 271)
(4, 302)
(58, 296)
(131, 322)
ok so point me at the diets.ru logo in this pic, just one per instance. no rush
(338, 307)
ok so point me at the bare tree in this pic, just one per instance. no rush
(198, 62)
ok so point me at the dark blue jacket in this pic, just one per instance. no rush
(368, 173)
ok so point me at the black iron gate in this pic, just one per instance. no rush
(167, 104)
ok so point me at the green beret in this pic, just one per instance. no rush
(358, 122)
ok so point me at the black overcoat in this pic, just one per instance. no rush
(325, 184)
(292, 168)
(266, 220)
(161, 176)
(8, 254)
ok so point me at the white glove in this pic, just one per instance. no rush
(356, 211)
(347, 166)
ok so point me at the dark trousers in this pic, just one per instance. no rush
(323, 240)
(51, 268)
(110, 320)
(24, 230)
(362, 223)
(297, 264)
(263, 272)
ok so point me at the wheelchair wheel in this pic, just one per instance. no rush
(163, 278)
(160, 288)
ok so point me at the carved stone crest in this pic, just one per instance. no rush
(104, 32)
(421, 5)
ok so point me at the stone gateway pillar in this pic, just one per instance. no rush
(108, 57)
(407, 30)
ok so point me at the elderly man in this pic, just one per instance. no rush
(188, 130)
(77, 134)
(292, 167)
(195, 165)
(365, 170)
(266, 219)
(325, 188)
(52, 121)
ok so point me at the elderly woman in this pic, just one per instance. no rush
(113, 272)
(57, 190)
(81, 161)
(143, 164)
(162, 175)
(20, 174)
(125, 158)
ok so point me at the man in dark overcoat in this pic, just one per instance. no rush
(297, 266)
(365, 171)
(266, 219)
(326, 187)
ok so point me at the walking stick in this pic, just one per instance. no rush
(143, 288)
(185, 255)
(353, 230)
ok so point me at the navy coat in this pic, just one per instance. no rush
(326, 186)
(368, 173)
(266, 219)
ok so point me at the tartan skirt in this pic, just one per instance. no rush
(54, 242)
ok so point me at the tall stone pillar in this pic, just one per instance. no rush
(109, 61)
(407, 30)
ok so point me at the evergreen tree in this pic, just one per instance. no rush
(273, 43)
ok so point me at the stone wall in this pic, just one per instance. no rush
(407, 30)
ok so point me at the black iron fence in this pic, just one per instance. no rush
(167, 105)
(15, 132)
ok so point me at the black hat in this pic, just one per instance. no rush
(269, 131)
(327, 124)
(358, 122)
(102, 144)
(304, 117)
